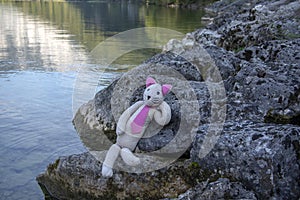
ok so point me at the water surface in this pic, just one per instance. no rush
(43, 46)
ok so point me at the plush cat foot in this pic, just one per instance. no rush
(107, 171)
(129, 158)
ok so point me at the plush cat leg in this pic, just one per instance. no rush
(129, 158)
(110, 159)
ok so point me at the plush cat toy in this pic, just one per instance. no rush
(133, 123)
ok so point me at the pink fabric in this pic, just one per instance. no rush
(139, 120)
(166, 88)
(150, 81)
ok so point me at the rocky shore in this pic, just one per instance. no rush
(256, 47)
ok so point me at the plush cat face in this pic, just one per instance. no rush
(154, 93)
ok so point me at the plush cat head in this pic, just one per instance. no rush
(154, 92)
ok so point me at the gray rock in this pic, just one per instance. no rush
(178, 63)
(262, 88)
(222, 188)
(245, 23)
(258, 89)
(269, 82)
(103, 107)
(265, 158)
(248, 161)
(79, 177)
(98, 116)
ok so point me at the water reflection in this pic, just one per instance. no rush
(91, 23)
(35, 129)
(30, 44)
(110, 17)
(43, 44)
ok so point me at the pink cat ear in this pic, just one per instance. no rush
(166, 88)
(150, 81)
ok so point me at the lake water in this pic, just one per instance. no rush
(44, 46)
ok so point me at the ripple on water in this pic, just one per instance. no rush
(36, 128)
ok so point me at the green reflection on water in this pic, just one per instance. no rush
(89, 23)
(93, 22)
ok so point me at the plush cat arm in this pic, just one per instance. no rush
(125, 117)
(163, 114)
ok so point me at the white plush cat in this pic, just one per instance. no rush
(133, 123)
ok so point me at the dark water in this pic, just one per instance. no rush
(43, 48)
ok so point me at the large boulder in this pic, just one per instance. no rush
(256, 90)
(249, 160)
(79, 177)
(91, 119)
(265, 158)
